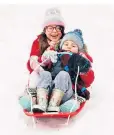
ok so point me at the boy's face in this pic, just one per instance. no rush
(70, 46)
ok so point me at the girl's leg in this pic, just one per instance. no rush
(43, 84)
(33, 79)
(44, 80)
(38, 86)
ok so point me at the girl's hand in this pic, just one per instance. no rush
(38, 69)
(50, 55)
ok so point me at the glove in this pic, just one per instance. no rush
(38, 68)
(35, 65)
(45, 61)
(84, 93)
(50, 55)
(78, 60)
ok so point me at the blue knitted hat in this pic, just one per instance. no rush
(75, 36)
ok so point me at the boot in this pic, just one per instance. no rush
(42, 100)
(80, 99)
(32, 92)
(55, 100)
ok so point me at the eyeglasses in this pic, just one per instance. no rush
(51, 28)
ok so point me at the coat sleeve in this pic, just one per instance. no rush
(35, 48)
(88, 77)
(35, 52)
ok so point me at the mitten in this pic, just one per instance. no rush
(38, 68)
(45, 61)
(78, 60)
(50, 55)
(33, 62)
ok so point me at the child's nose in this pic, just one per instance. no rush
(69, 47)
(54, 30)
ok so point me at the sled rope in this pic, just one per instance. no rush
(34, 123)
(76, 83)
(74, 97)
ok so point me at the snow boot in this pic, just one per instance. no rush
(32, 92)
(80, 99)
(55, 101)
(42, 101)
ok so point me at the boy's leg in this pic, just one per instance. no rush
(62, 91)
(63, 82)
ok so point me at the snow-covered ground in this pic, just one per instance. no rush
(19, 25)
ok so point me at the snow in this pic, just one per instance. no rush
(19, 26)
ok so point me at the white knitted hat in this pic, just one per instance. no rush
(53, 17)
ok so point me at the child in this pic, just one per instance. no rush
(73, 42)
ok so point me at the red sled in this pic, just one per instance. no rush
(54, 114)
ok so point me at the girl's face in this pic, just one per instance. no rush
(53, 32)
(70, 46)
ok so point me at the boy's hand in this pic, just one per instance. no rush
(78, 60)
